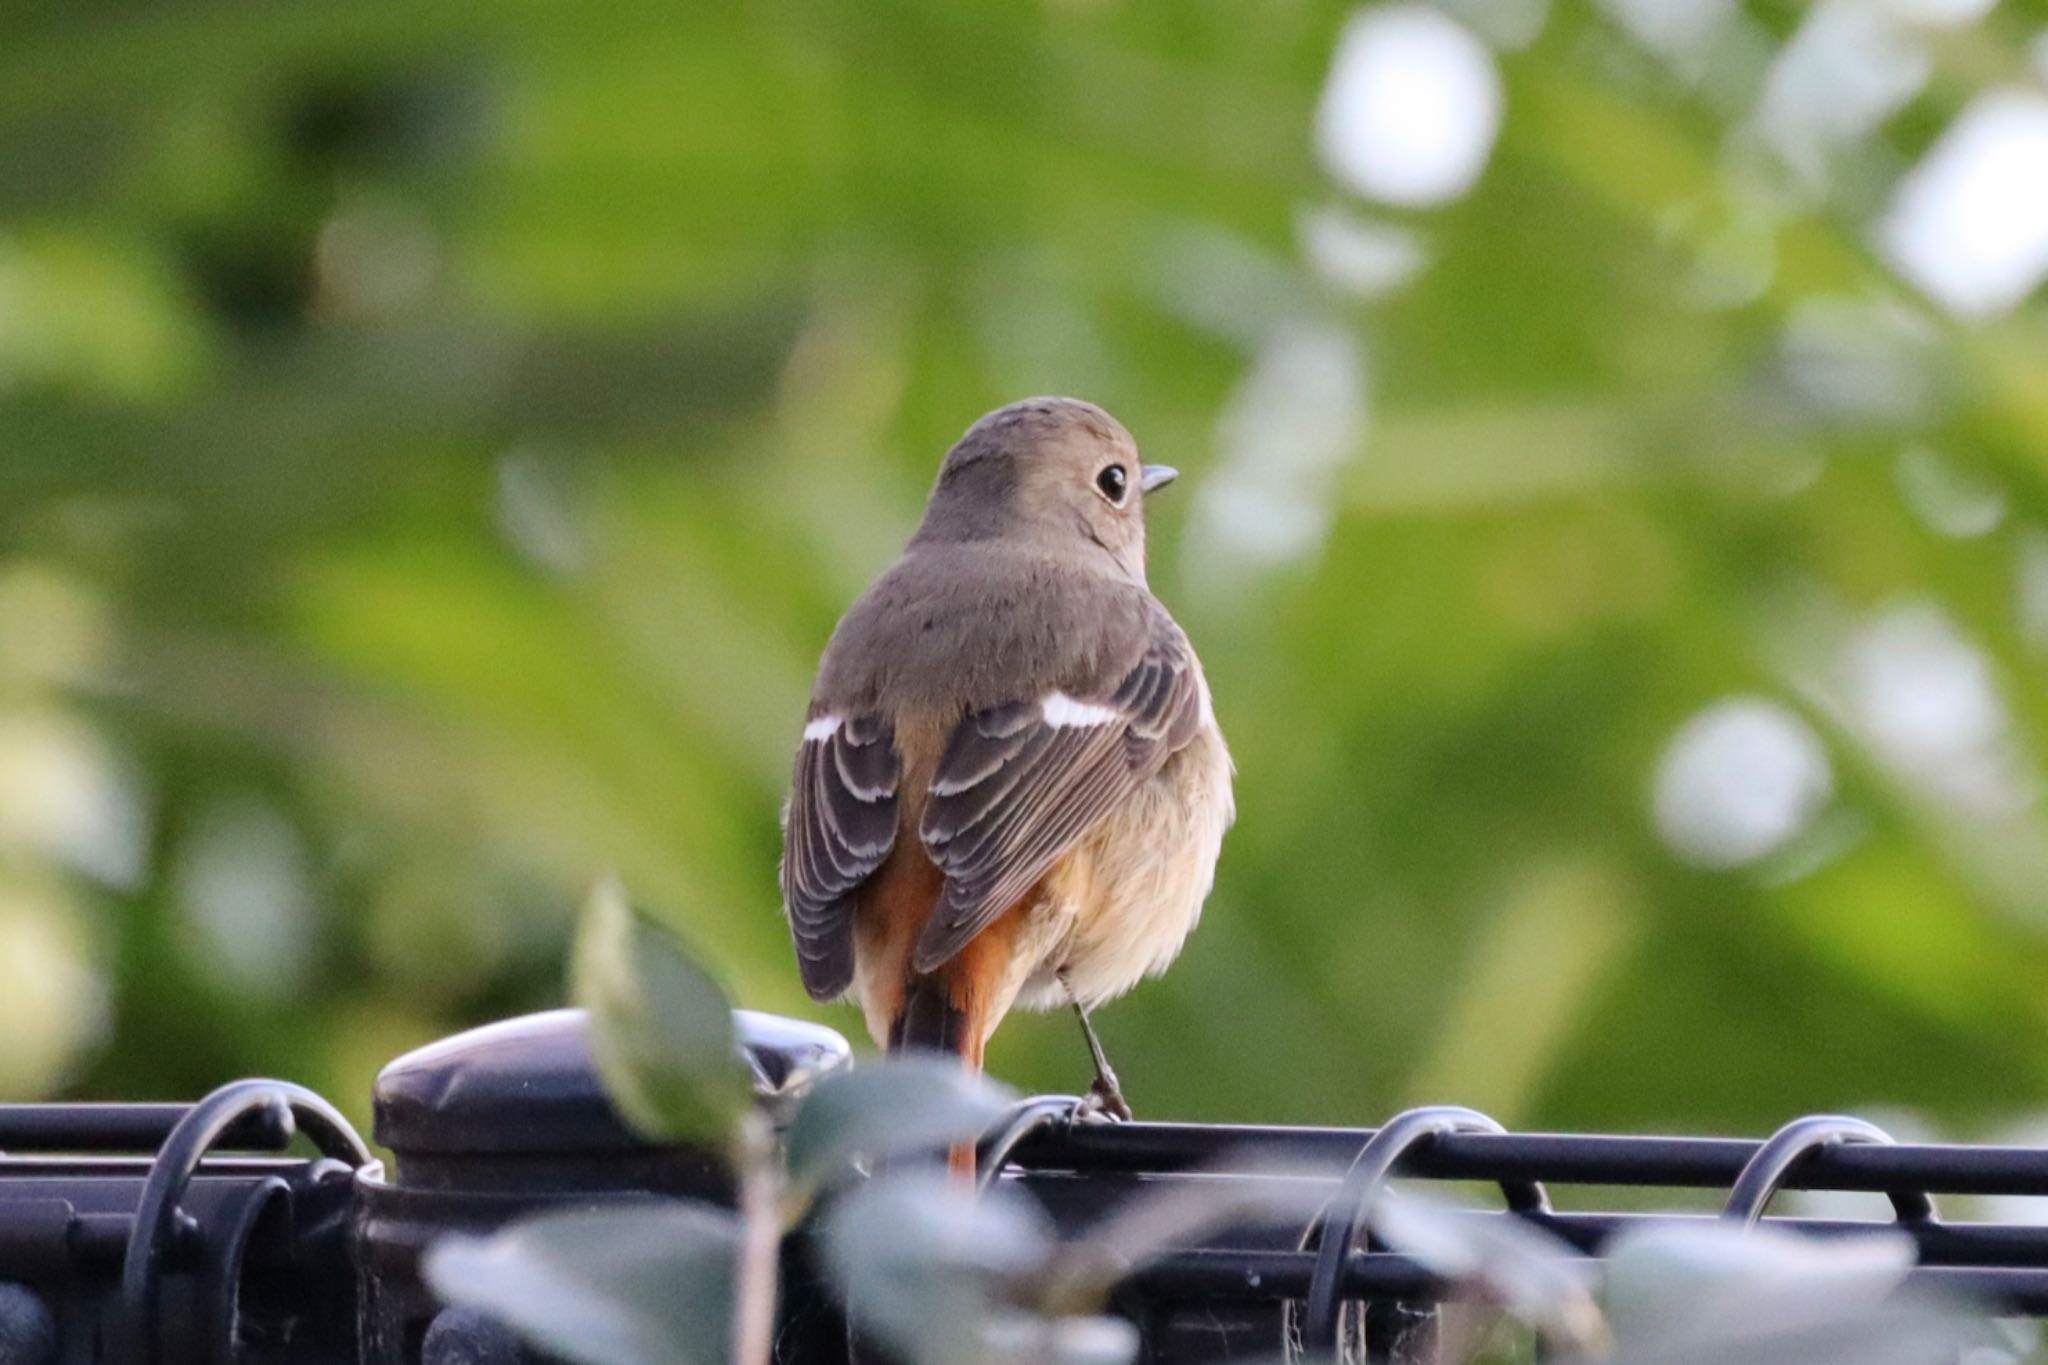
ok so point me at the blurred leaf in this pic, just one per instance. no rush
(641, 1284)
(908, 1103)
(661, 1030)
(1527, 1271)
(1672, 1287)
(1895, 1333)
(1028, 1339)
(1172, 1215)
(923, 1263)
(1709, 1292)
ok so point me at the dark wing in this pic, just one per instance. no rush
(840, 826)
(1019, 784)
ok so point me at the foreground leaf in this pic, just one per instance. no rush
(1674, 1282)
(660, 1030)
(645, 1284)
(1530, 1273)
(924, 1265)
(900, 1104)
(1028, 1339)
(1905, 1331)
(1170, 1215)
(1713, 1292)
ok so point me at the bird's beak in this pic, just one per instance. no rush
(1158, 476)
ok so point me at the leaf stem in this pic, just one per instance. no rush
(753, 1324)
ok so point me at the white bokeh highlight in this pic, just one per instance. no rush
(1969, 224)
(1738, 782)
(1295, 418)
(1948, 499)
(1927, 702)
(1858, 358)
(1850, 65)
(66, 795)
(1364, 258)
(247, 893)
(534, 513)
(1411, 108)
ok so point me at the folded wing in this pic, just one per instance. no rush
(840, 827)
(1019, 784)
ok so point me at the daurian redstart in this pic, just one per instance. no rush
(1010, 789)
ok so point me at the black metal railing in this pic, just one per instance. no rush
(255, 1227)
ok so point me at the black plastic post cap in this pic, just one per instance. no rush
(527, 1086)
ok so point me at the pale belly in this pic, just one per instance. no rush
(1121, 906)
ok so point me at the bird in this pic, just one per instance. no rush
(1010, 789)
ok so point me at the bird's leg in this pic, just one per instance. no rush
(1106, 1095)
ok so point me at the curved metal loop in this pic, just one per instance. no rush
(1347, 1214)
(992, 1154)
(1784, 1149)
(282, 1110)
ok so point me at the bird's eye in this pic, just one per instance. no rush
(1114, 483)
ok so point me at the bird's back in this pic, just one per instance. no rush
(954, 628)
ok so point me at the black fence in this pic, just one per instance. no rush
(172, 1234)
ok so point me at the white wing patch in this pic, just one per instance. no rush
(824, 727)
(1062, 711)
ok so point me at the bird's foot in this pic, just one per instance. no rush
(1104, 1103)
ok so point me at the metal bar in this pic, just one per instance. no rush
(106, 1128)
(1076, 1200)
(2011, 1244)
(1269, 1276)
(1345, 1220)
(68, 1167)
(1709, 1163)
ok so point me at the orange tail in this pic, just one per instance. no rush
(955, 1008)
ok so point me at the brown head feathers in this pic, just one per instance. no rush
(1050, 475)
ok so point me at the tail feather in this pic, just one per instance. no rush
(931, 1021)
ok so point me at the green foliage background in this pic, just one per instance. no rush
(436, 440)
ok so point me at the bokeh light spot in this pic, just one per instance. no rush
(1739, 781)
(1970, 223)
(66, 795)
(1926, 699)
(1951, 500)
(1411, 107)
(243, 880)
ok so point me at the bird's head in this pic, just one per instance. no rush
(1051, 474)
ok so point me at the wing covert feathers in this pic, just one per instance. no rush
(1019, 784)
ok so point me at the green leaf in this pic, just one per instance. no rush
(1716, 1294)
(1903, 1331)
(900, 1104)
(1028, 1339)
(1536, 1277)
(631, 1284)
(1676, 1288)
(660, 1030)
(1171, 1215)
(924, 1264)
